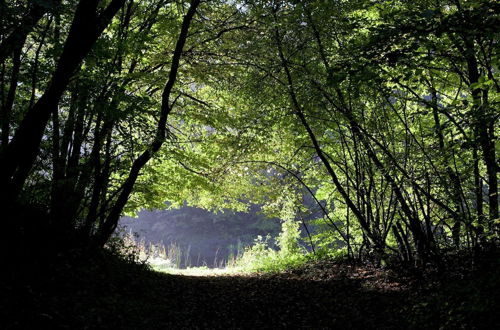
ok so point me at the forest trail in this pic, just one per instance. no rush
(317, 296)
(343, 298)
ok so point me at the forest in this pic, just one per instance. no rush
(369, 128)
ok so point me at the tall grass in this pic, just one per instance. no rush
(265, 255)
(156, 254)
(163, 257)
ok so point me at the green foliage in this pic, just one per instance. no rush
(386, 112)
(262, 257)
(126, 247)
(288, 239)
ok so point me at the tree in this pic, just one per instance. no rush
(75, 127)
(385, 114)
(384, 84)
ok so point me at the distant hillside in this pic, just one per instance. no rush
(208, 238)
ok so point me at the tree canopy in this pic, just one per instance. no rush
(385, 113)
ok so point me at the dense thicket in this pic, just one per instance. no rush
(386, 112)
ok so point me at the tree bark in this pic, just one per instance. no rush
(16, 39)
(299, 113)
(485, 131)
(107, 228)
(9, 101)
(18, 158)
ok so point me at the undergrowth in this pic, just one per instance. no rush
(114, 290)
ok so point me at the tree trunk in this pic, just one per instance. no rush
(19, 156)
(107, 228)
(485, 131)
(16, 39)
(9, 101)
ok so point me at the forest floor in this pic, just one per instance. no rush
(320, 295)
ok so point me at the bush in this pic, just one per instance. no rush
(261, 257)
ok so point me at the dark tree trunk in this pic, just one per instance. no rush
(9, 101)
(16, 39)
(107, 228)
(299, 113)
(485, 131)
(453, 177)
(19, 156)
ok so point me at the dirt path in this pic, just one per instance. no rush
(274, 302)
(323, 296)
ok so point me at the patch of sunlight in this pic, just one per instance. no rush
(200, 271)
